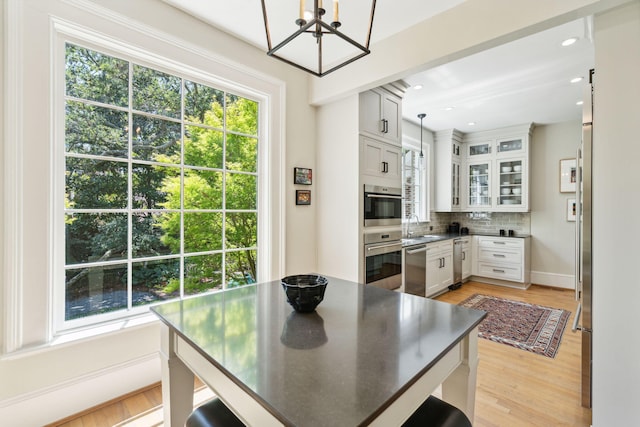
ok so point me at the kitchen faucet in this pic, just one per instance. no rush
(409, 232)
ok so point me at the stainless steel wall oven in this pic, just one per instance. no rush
(383, 259)
(382, 205)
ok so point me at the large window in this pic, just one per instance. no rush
(161, 187)
(414, 185)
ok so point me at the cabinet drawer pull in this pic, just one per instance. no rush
(499, 243)
(495, 270)
(499, 255)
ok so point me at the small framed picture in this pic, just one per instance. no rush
(568, 175)
(302, 176)
(303, 197)
(571, 209)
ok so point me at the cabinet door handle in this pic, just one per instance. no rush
(385, 167)
(495, 270)
(464, 255)
(499, 255)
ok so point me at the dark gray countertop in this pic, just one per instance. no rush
(437, 237)
(340, 365)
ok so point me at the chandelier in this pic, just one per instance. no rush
(330, 48)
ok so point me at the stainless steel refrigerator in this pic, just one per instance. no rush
(584, 262)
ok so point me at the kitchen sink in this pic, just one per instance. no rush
(426, 238)
(429, 237)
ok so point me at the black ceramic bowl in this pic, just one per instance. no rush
(304, 291)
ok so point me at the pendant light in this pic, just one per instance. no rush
(421, 116)
(314, 27)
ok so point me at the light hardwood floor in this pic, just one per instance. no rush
(514, 387)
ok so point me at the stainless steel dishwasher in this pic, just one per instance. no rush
(457, 264)
(415, 263)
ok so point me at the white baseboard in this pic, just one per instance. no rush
(54, 403)
(564, 281)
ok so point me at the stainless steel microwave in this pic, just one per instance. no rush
(382, 205)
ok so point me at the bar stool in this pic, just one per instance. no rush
(214, 413)
(437, 413)
(432, 413)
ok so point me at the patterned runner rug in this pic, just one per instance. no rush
(525, 326)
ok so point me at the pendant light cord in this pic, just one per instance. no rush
(421, 116)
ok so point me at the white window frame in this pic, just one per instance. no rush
(69, 34)
(409, 143)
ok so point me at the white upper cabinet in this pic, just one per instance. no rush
(509, 147)
(478, 186)
(512, 187)
(381, 115)
(479, 149)
(381, 160)
(448, 169)
(496, 176)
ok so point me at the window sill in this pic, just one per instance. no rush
(84, 334)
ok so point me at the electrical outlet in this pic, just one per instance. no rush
(431, 228)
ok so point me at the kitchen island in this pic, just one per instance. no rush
(366, 356)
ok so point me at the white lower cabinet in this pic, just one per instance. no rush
(502, 260)
(466, 258)
(439, 267)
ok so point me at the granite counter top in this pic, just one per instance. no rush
(437, 237)
(357, 353)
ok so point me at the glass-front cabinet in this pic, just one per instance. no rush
(479, 185)
(510, 183)
(510, 147)
(456, 202)
(477, 150)
(449, 170)
(496, 170)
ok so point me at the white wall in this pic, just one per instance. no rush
(62, 379)
(339, 199)
(616, 231)
(553, 237)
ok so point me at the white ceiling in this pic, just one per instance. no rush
(527, 80)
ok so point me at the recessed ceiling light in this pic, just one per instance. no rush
(579, 102)
(417, 87)
(471, 123)
(576, 79)
(569, 41)
(448, 108)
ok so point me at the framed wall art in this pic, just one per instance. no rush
(571, 209)
(303, 197)
(302, 176)
(568, 175)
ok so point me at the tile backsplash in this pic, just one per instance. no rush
(477, 222)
